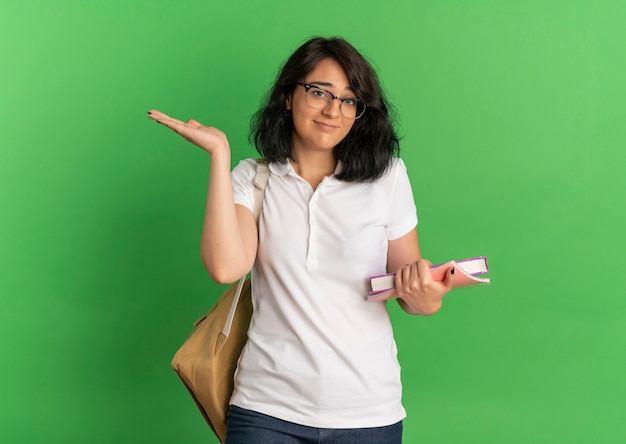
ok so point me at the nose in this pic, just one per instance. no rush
(334, 107)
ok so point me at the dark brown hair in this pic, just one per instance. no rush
(366, 152)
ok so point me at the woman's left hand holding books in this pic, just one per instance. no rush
(418, 292)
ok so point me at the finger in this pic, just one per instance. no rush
(155, 114)
(194, 123)
(402, 275)
(407, 271)
(178, 126)
(449, 279)
(165, 119)
(423, 268)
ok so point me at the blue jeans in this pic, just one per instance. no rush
(249, 427)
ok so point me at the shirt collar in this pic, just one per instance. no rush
(282, 169)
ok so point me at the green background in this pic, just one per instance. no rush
(512, 117)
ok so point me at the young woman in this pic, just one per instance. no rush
(320, 363)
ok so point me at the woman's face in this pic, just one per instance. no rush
(320, 129)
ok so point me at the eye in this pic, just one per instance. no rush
(350, 102)
(317, 93)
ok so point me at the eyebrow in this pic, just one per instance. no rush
(328, 84)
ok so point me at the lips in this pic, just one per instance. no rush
(326, 126)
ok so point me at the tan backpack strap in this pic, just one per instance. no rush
(260, 182)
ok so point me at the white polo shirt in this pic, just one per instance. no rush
(318, 353)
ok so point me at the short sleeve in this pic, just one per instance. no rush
(402, 211)
(242, 177)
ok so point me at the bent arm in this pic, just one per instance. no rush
(417, 292)
(229, 234)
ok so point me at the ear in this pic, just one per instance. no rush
(288, 103)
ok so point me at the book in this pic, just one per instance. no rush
(466, 274)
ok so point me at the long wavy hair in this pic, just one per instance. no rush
(368, 149)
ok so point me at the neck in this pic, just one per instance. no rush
(313, 167)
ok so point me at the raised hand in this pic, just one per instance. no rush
(208, 138)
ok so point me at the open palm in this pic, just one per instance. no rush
(206, 137)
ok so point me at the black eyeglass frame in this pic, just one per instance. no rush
(308, 86)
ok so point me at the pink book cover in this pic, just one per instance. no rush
(383, 284)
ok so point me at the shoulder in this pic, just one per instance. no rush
(396, 171)
(245, 167)
(397, 164)
(242, 176)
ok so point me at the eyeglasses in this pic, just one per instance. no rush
(316, 97)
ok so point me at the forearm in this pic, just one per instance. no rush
(229, 234)
(417, 293)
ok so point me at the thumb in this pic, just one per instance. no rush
(194, 123)
(449, 279)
